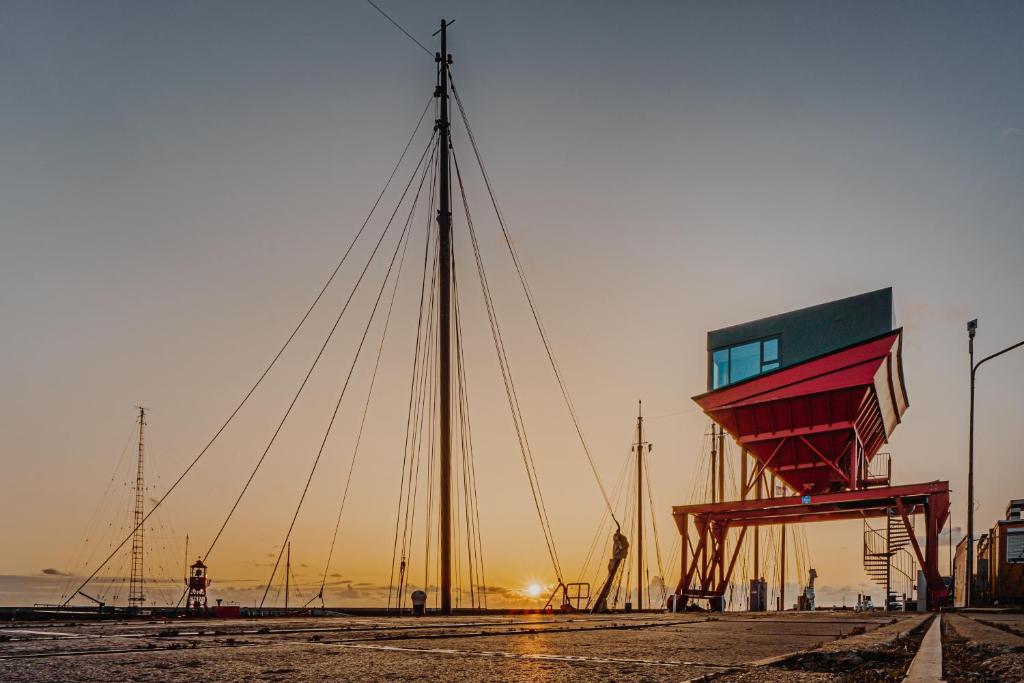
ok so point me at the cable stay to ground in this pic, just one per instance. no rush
(270, 366)
(316, 360)
(472, 505)
(341, 395)
(112, 517)
(422, 355)
(438, 435)
(510, 391)
(530, 299)
(362, 421)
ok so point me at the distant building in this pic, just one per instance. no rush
(999, 573)
(960, 574)
(743, 351)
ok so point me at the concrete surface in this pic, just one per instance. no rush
(927, 664)
(648, 647)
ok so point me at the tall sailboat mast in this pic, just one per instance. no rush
(444, 265)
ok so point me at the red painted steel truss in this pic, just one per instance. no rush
(708, 561)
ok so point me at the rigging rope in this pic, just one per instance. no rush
(399, 27)
(530, 299)
(425, 388)
(82, 554)
(270, 366)
(362, 424)
(416, 383)
(348, 377)
(319, 354)
(517, 417)
(654, 524)
(477, 588)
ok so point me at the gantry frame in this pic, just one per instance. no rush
(707, 566)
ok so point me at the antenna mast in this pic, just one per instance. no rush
(136, 596)
(444, 268)
(639, 446)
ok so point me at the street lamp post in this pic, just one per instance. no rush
(972, 327)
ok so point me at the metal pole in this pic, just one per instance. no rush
(970, 475)
(714, 462)
(444, 223)
(639, 506)
(721, 499)
(743, 474)
(287, 573)
(757, 533)
(972, 327)
(721, 465)
(782, 570)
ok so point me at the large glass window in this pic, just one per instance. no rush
(743, 361)
(1015, 545)
(720, 368)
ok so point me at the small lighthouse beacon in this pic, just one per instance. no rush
(197, 583)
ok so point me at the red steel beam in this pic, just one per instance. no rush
(732, 562)
(826, 516)
(910, 532)
(765, 464)
(838, 497)
(822, 457)
(797, 431)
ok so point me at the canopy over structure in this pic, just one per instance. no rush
(817, 424)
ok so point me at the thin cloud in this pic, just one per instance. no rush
(50, 571)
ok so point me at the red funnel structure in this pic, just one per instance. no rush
(818, 424)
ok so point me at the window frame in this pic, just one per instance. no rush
(762, 363)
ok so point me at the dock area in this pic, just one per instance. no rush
(649, 647)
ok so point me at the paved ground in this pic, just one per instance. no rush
(524, 648)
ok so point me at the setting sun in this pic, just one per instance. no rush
(533, 590)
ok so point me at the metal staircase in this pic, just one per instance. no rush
(887, 557)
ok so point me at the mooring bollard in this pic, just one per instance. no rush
(419, 603)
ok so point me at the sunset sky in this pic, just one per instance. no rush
(179, 179)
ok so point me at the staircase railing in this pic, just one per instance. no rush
(887, 558)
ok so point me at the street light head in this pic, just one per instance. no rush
(972, 327)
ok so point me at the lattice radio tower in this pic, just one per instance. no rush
(136, 596)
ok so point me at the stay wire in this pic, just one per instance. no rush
(654, 521)
(530, 299)
(422, 387)
(466, 433)
(348, 379)
(399, 27)
(471, 509)
(81, 553)
(427, 389)
(423, 420)
(362, 423)
(365, 411)
(414, 383)
(320, 353)
(510, 391)
(272, 363)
